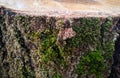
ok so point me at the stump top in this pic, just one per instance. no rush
(64, 8)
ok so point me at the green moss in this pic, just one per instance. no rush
(56, 76)
(88, 31)
(92, 63)
(26, 73)
(48, 47)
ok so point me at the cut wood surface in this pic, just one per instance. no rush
(64, 8)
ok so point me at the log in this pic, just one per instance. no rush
(59, 39)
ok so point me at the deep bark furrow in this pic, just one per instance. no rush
(115, 70)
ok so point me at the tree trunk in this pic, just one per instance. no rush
(68, 46)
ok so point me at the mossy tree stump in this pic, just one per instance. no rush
(75, 45)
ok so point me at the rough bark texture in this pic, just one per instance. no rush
(47, 47)
(115, 72)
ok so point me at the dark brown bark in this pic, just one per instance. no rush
(115, 71)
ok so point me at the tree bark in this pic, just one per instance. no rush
(115, 72)
(51, 47)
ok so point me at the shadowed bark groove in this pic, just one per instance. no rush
(115, 71)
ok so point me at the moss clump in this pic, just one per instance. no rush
(92, 63)
(88, 32)
(49, 47)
